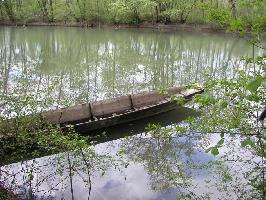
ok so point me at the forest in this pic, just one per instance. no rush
(93, 12)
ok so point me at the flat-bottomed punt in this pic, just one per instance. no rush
(123, 109)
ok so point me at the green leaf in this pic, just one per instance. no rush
(224, 104)
(254, 84)
(247, 142)
(208, 150)
(179, 100)
(253, 97)
(215, 151)
(31, 176)
(261, 186)
(220, 143)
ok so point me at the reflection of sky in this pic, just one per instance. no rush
(132, 183)
(100, 65)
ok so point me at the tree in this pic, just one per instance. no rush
(232, 105)
(8, 7)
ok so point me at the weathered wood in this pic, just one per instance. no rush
(126, 117)
(71, 114)
(137, 114)
(76, 113)
(174, 90)
(52, 116)
(106, 108)
(118, 110)
(189, 92)
(147, 99)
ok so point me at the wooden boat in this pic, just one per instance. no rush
(123, 109)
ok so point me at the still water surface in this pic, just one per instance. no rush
(63, 66)
(141, 166)
(75, 65)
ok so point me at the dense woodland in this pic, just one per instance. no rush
(131, 11)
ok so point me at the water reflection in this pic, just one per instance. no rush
(144, 166)
(74, 65)
(61, 66)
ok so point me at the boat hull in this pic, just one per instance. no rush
(132, 115)
(126, 117)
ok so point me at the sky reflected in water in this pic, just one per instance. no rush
(63, 66)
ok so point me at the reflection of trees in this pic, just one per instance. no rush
(84, 65)
(177, 163)
(49, 178)
(242, 171)
(167, 160)
(174, 163)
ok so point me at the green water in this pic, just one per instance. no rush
(61, 66)
(75, 65)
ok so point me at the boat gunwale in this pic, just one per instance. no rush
(134, 111)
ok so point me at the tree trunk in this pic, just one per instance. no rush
(157, 14)
(182, 18)
(51, 18)
(42, 5)
(233, 8)
(9, 10)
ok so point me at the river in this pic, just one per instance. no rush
(61, 66)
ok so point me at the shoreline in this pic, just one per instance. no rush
(157, 26)
(203, 28)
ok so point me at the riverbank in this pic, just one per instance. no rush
(204, 28)
(155, 26)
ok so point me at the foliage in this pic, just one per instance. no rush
(134, 11)
(220, 16)
(5, 195)
(233, 105)
(29, 137)
(24, 134)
